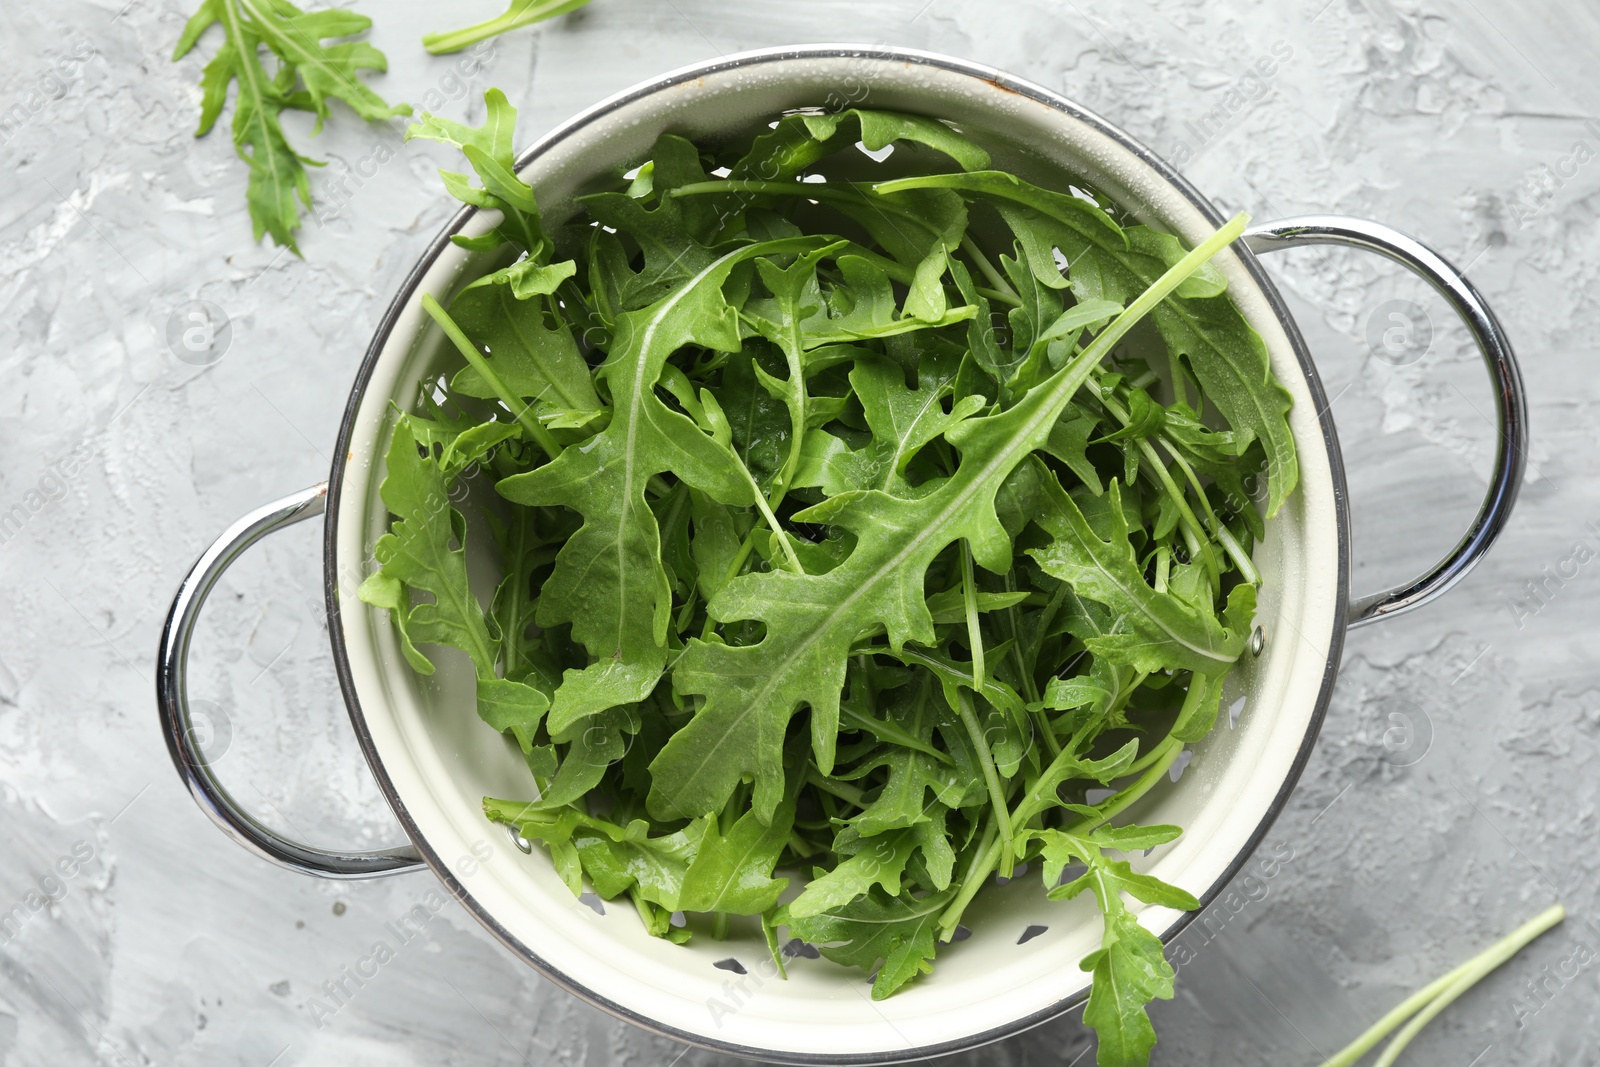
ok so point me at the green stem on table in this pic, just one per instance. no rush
(1437, 995)
(520, 14)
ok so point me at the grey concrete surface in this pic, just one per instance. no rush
(1414, 840)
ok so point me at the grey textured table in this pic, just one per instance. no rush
(1413, 840)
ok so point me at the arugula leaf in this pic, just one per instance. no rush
(732, 873)
(893, 934)
(1158, 630)
(309, 74)
(877, 861)
(491, 152)
(903, 420)
(798, 140)
(537, 362)
(1129, 968)
(616, 858)
(424, 550)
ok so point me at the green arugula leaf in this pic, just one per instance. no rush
(1129, 968)
(732, 872)
(617, 859)
(417, 551)
(1158, 630)
(491, 150)
(801, 139)
(310, 72)
(537, 361)
(877, 861)
(903, 420)
(893, 934)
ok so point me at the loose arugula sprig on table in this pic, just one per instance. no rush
(519, 14)
(841, 533)
(308, 72)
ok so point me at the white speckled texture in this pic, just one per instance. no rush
(168, 944)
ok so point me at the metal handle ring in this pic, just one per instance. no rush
(172, 697)
(1511, 409)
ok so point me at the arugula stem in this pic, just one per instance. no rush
(470, 353)
(801, 847)
(1193, 480)
(1194, 533)
(843, 790)
(778, 531)
(991, 777)
(1241, 559)
(773, 948)
(969, 596)
(996, 279)
(519, 15)
(1030, 687)
(1157, 751)
(1164, 755)
(983, 861)
(1437, 995)
(1032, 802)
(995, 294)
(510, 631)
(1041, 721)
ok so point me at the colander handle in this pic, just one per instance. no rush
(1511, 409)
(172, 697)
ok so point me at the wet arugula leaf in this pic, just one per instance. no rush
(842, 551)
(891, 936)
